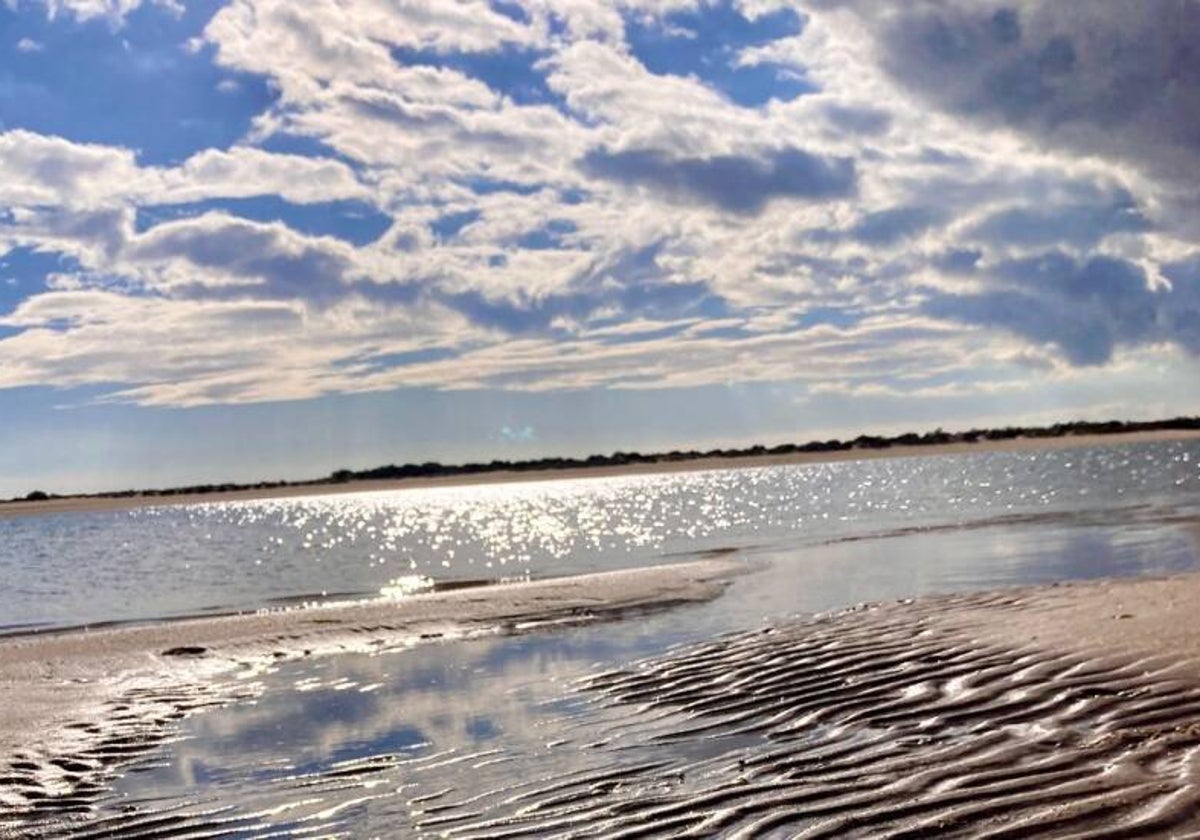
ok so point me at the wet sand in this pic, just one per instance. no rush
(76, 704)
(1067, 710)
(95, 504)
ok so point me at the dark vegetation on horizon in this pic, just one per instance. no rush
(432, 469)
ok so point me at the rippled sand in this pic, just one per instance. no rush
(1070, 711)
(78, 705)
(1065, 711)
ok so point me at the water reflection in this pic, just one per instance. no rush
(955, 560)
(373, 740)
(378, 744)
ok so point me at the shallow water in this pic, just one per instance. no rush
(71, 569)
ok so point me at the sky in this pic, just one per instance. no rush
(262, 239)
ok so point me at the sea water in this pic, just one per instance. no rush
(82, 568)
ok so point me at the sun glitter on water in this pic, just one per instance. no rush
(405, 586)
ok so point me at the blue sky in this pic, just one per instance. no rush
(247, 239)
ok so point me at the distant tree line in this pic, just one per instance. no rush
(432, 469)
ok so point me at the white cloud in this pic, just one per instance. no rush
(113, 11)
(38, 170)
(244, 171)
(612, 228)
(172, 352)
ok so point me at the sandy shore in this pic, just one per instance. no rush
(1069, 711)
(75, 704)
(1156, 620)
(92, 504)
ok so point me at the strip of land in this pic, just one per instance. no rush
(89, 504)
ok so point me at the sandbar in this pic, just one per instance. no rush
(1066, 711)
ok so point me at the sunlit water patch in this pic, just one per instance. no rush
(71, 569)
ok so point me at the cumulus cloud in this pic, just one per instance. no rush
(163, 351)
(38, 170)
(113, 11)
(886, 227)
(1081, 225)
(1086, 308)
(42, 171)
(246, 171)
(1117, 78)
(946, 183)
(220, 255)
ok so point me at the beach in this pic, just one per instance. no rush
(1067, 711)
(1062, 709)
(59, 690)
(571, 419)
(824, 650)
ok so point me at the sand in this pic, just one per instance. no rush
(78, 703)
(1033, 712)
(1069, 710)
(1151, 620)
(94, 504)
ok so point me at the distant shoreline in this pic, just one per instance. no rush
(98, 503)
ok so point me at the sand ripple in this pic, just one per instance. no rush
(83, 706)
(874, 723)
(883, 721)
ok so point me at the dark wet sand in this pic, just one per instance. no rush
(75, 705)
(1065, 711)
(1036, 712)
